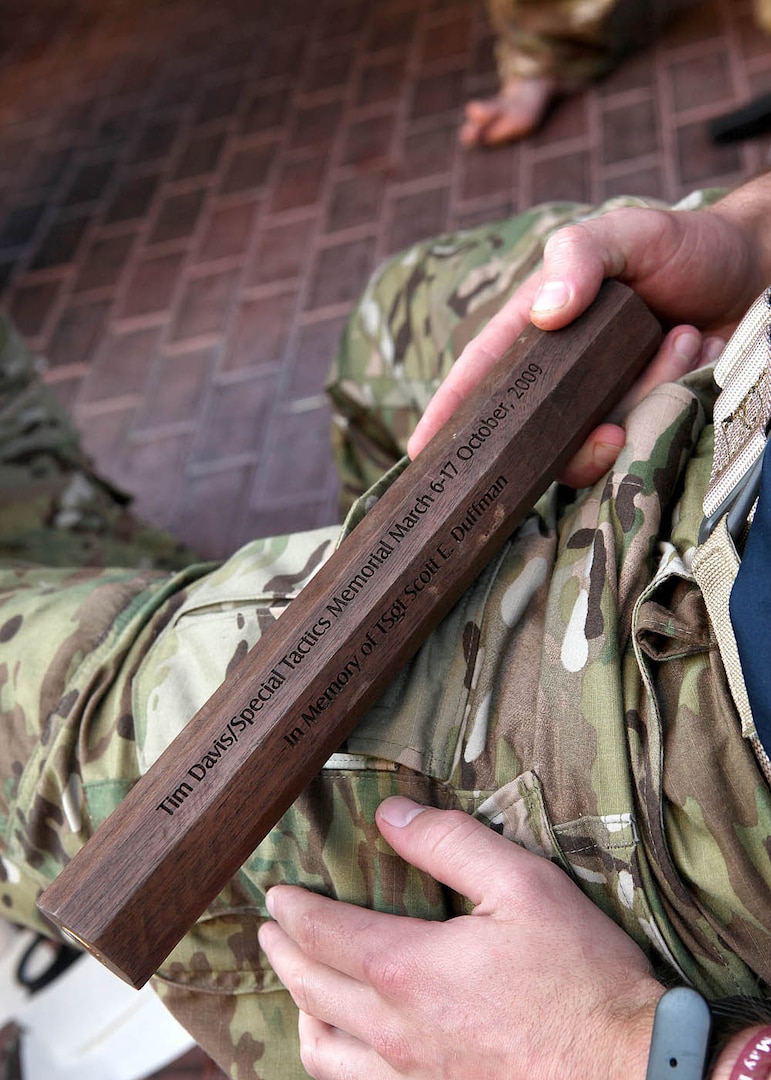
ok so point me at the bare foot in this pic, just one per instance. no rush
(517, 110)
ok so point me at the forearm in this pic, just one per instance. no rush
(746, 211)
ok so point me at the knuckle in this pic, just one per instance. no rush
(453, 836)
(398, 1051)
(536, 877)
(388, 975)
(566, 239)
(321, 1062)
(306, 933)
(301, 989)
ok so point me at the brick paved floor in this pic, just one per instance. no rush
(193, 194)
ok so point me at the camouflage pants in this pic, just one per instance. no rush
(53, 508)
(574, 699)
(574, 40)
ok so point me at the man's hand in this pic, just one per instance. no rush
(697, 271)
(536, 983)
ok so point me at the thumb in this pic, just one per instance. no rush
(454, 848)
(576, 259)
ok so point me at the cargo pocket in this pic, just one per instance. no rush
(704, 802)
(222, 617)
(328, 842)
(601, 853)
(517, 812)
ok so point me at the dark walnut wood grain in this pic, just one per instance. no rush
(161, 858)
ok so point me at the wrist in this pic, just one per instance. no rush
(744, 211)
(634, 1034)
(729, 1040)
(680, 1041)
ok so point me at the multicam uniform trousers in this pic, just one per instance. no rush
(574, 40)
(574, 700)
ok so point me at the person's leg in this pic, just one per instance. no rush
(421, 740)
(545, 49)
(54, 509)
(542, 50)
(66, 623)
(412, 322)
(83, 711)
(100, 670)
(527, 709)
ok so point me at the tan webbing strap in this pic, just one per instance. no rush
(743, 409)
(715, 564)
(741, 416)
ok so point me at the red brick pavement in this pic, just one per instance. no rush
(192, 195)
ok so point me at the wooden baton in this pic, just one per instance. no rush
(153, 867)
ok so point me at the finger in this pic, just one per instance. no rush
(675, 260)
(682, 351)
(328, 1053)
(341, 968)
(627, 244)
(596, 457)
(458, 851)
(320, 989)
(330, 933)
(479, 357)
(576, 260)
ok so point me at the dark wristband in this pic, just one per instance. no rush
(680, 1040)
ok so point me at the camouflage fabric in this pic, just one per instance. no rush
(574, 700)
(415, 316)
(574, 40)
(53, 508)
